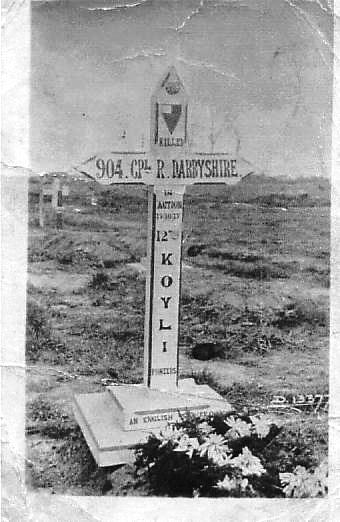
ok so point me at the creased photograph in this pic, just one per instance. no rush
(175, 211)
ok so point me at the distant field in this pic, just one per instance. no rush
(255, 283)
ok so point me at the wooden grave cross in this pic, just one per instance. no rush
(57, 191)
(167, 169)
(114, 421)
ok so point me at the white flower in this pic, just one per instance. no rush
(295, 481)
(238, 428)
(244, 483)
(205, 428)
(248, 463)
(303, 483)
(221, 459)
(227, 483)
(170, 433)
(187, 445)
(216, 449)
(261, 426)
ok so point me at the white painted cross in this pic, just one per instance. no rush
(167, 169)
(56, 190)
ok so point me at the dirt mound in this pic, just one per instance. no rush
(101, 250)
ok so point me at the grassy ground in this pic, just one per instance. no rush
(255, 283)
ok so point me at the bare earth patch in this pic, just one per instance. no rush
(87, 286)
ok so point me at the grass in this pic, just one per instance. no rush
(298, 233)
(207, 313)
(40, 339)
(48, 418)
(254, 282)
(259, 269)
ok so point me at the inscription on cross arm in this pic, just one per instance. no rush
(167, 169)
(140, 167)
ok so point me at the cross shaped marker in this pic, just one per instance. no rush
(167, 169)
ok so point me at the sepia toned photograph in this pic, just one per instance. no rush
(178, 248)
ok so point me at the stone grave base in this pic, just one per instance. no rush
(115, 421)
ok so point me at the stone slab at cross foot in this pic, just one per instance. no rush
(113, 422)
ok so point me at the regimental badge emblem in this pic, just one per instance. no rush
(171, 83)
(169, 113)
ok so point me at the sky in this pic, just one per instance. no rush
(258, 75)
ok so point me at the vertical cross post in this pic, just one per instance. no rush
(60, 209)
(41, 203)
(55, 190)
(161, 332)
(57, 202)
(168, 131)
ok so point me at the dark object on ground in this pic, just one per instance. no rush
(195, 250)
(114, 374)
(107, 486)
(206, 351)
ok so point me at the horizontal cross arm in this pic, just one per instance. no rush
(178, 169)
